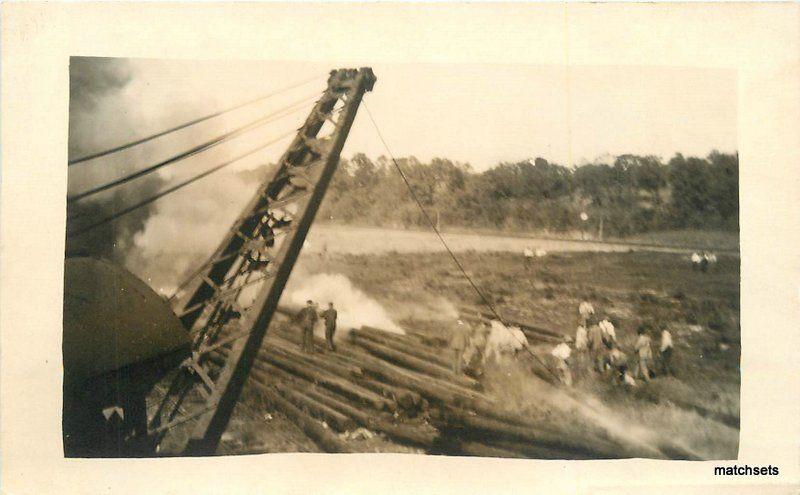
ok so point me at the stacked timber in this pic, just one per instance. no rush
(405, 391)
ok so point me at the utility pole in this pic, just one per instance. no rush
(262, 247)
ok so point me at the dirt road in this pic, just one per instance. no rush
(368, 240)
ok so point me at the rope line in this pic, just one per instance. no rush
(444, 243)
(176, 187)
(151, 137)
(276, 115)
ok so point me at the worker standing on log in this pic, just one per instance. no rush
(475, 357)
(458, 343)
(595, 344)
(307, 318)
(329, 315)
(644, 352)
(561, 354)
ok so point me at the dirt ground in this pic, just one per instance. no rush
(699, 407)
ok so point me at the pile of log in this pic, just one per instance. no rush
(406, 391)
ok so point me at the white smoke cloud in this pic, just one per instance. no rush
(354, 307)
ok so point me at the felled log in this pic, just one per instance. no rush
(409, 361)
(434, 389)
(405, 344)
(295, 337)
(337, 420)
(315, 374)
(328, 397)
(492, 429)
(377, 422)
(536, 451)
(334, 418)
(371, 364)
(328, 380)
(320, 360)
(323, 437)
(444, 372)
(408, 400)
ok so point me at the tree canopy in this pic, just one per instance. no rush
(632, 194)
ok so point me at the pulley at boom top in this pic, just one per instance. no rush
(261, 247)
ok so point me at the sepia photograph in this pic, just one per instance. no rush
(491, 260)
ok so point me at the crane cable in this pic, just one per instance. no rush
(176, 187)
(131, 144)
(447, 248)
(276, 115)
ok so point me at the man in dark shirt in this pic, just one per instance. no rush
(307, 318)
(330, 325)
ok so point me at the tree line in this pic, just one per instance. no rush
(629, 195)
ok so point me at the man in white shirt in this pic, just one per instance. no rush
(666, 352)
(609, 334)
(644, 352)
(696, 258)
(581, 338)
(585, 310)
(528, 254)
(561, 353)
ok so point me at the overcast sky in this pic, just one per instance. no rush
(481, 114)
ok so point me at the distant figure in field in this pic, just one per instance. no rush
(458, 343)
(704, 262)
(329, 315)
(666, 352)
(528, 254)
(644, 353)
(708, 260)
(585, 310)
(696, 259)
(307, 318)
(561, 354)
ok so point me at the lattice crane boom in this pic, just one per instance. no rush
(264, 241)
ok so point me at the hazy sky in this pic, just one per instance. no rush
(481, 114)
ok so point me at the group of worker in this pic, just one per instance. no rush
(703, 260)
(596, 338)
(307, 319)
